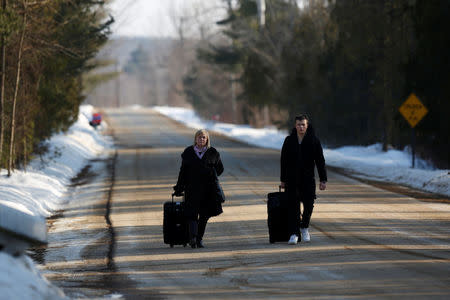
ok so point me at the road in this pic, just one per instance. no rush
(366, 242)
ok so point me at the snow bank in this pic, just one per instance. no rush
(39, 191)
(20, 279)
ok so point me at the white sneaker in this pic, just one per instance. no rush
(293, 240)
(305, 235)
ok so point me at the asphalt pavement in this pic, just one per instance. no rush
(366, 242)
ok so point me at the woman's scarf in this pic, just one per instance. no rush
(200, 151)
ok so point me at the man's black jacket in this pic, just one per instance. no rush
(298, 161)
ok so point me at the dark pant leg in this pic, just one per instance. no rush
(308, 205)
(293, 211)
(202, 226)
(193, 228)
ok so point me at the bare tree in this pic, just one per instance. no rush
(16, 88)
(178, 17)
(2, 88)
(195, 25)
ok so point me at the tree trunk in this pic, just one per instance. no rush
(2, 89)
(233, 98)
(387, 75)
(25, 153)
(16, 90)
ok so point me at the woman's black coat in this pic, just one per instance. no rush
(196, 179)
(298, 162)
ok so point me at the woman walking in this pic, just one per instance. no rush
(200, 165)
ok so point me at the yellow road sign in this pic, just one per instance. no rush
(413, 110)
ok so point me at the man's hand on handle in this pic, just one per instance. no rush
(178, 191)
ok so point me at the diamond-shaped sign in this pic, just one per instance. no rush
(413, 110)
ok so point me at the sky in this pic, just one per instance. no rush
(40, 191)
(153, 18)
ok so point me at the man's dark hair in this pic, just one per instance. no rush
(301, 118)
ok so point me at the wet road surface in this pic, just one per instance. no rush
(366, 242)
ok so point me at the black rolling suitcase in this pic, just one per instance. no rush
(175, 227)
(277, 211)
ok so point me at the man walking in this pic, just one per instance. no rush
(301, 152)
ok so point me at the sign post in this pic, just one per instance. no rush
(413, 111)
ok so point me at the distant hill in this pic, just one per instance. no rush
(147, 86)
(120, 48)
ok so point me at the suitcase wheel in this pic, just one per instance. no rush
(184, 245)
(171, 245)
(271, 241)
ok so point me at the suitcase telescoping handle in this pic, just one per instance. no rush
(173, 195)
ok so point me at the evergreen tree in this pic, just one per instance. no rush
(47, 46)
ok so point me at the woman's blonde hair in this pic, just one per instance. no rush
(199, 132)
